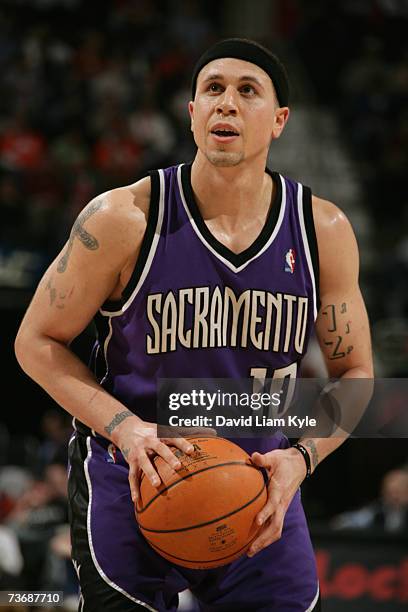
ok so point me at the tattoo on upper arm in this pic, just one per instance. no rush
(339, 346)
(330, 312)
(117, 419)
(52, 290)
(336, 353)
(78, 231)
(59, 298)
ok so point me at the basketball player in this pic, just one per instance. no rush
(164, 266)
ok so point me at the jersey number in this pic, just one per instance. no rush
(282, 381)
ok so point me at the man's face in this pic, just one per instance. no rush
(235, 113)
(395, 489)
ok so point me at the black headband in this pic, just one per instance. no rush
(249, 51)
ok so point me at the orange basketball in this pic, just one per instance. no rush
(203, 516)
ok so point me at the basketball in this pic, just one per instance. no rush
(203, 515)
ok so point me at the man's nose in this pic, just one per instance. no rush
(227, 104)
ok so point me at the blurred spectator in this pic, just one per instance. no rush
(117, 154)
(21, 146)
(14, 482)
(56, 429)
(153, 130)
(11, 560)
(389, 512)
(69, 151)
(61, 574)
(113, 82)
(35, 518)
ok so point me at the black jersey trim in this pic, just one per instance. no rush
(96, 587)
(312, 240)
(153, 215)
(236, 259)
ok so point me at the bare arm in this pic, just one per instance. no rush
(94, 266)
(342, 325)
(343, 332)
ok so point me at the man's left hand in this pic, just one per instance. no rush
(286, 470)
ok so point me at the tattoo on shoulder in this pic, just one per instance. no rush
(313, 452)
(117, 419)
(336, 324)
(78, 231)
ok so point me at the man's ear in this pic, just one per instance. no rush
(281, 118)
(191, 112)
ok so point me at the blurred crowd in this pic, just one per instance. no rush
(359, 67)
(387, 513)
(35, 548)
(92, 101)
(89, 102)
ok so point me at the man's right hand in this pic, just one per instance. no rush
(138, 443)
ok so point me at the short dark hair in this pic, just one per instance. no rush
(249, 51)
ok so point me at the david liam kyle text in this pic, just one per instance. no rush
(251, 420)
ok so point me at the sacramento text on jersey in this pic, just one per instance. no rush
(201, 317)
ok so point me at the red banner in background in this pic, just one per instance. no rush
(365, 572)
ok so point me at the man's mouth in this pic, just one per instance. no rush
(224, 133)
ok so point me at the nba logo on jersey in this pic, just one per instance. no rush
(111, 454)
(290, 261)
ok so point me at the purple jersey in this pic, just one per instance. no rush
(195, 309)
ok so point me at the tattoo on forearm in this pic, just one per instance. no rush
(117, 420)
(338, 349)
(125, 452)
(313, 452)
(78, 231)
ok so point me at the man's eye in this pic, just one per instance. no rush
(247, 89)
(214, 87)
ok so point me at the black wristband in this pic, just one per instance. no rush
(306, 457)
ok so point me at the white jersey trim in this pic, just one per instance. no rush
(306, 246)
(210, 248)
(149, 261)
(105, 350)
(314, 602)
(90, 542)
